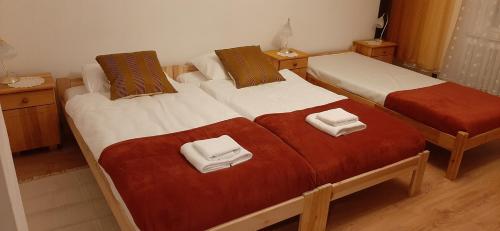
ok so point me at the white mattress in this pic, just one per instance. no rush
(368, 77)
(285, 96)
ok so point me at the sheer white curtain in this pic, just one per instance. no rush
(473, 56)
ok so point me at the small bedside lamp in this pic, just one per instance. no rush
(381, 24)
(6, 52)
(285, 34)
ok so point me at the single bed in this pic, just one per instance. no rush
(454, 117)
(282, 106)
(132, 148)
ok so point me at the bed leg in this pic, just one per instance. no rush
(418, 174)
(456, 155)
(316, 205)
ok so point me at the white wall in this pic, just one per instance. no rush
(61, 35)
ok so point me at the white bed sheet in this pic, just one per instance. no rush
(368, 77)
(103, 122)
(285, 96)
(74, 91)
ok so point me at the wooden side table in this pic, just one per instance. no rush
(31, 115)
(383, 51)
(297, 64)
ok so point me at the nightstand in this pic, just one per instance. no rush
(383, 51)
(297, 64)
(31, 115)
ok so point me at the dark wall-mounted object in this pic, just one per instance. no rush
(385, 7)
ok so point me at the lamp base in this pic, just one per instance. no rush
(375, 42)
(8, 80)
(290, 54)
(286, 51)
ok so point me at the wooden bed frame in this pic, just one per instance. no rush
(312, 206)
(457, 145)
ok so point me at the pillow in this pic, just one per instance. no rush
(94, 78)
(248, 66)
(194, 77)
(210, 66)
(134, 74)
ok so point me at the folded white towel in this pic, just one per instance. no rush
(334, 130)
(337, 117)
(204, 166)
(223, 147)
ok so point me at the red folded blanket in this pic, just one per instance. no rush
(163, 191)
(386, 140)
(448, 107)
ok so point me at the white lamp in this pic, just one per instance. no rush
(6, 52)
(381, 24)
(285, 34)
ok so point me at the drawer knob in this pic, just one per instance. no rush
(25, 100)
(295, 64)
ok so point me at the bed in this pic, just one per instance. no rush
(312, 206)
(282, 106)
(454, 117)
(106, 137)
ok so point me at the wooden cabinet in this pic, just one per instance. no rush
(383, 51)
(297, 64)
(31, 115)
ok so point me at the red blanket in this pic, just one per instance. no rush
(448, 107)
(164, 192)
(385, 141)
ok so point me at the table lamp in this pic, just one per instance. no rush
(6, 52)
(381, 24)
(285, 34)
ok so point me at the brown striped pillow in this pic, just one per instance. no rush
(248, 66)
(134, 74)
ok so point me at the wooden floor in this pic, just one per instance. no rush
(71, 201)
(472, 202)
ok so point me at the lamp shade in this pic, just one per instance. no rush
(380, 22)
(6, 50)
(286, 31)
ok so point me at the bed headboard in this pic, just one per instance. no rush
(175, 70)
(328, 53)
(64, 83)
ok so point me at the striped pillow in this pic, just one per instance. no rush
(248, 66)
(134, 74)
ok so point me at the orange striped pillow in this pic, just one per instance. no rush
(134, 74)
(248, 66)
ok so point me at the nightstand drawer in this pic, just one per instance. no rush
(383, 51)
(27, 99)
(293, 63)
(302, 72)
(364, 50)
(386, 58)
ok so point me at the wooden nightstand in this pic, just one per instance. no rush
(31, 115)
(297, 64)
(383, 51)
